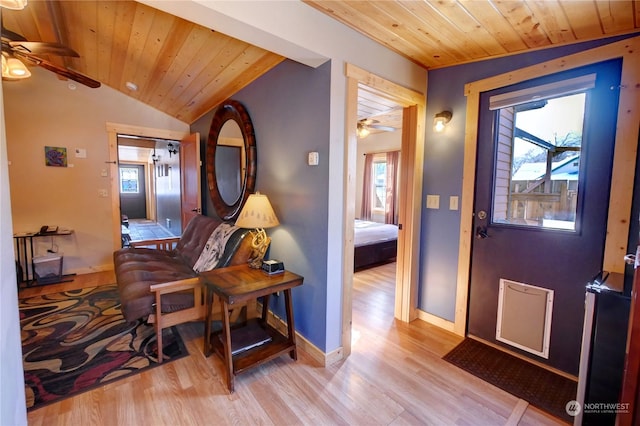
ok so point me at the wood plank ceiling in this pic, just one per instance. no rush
(450, 32)
(180, 68)
(185, 70)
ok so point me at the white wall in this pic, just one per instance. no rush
(13, 409)
(68, 197)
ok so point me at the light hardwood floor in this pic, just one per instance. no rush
(395, 376)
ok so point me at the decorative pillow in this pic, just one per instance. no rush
(214, 248)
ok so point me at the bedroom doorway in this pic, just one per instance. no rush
(411, 107)
(379, 151)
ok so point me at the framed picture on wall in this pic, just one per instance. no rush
(55, 156)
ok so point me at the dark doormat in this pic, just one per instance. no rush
(541, 388)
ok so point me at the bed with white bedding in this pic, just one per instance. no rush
(374, 243)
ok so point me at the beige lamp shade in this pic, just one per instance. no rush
(257, 213)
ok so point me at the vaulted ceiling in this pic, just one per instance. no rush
(180, 68)
(185, 69)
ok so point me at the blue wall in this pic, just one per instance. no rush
(289, 108)
(444, 155)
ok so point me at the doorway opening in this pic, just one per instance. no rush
(135, 145)
(149, 188)
(412, 105)
(379, 150)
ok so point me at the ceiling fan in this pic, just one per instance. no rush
(366, 124)
(16, 50)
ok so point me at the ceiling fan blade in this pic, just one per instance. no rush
(367, 121)
(385, 128)
(65, 72)
(10, 35)
(43, 48)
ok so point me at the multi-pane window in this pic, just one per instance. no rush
(129, 183)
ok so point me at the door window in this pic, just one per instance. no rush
(129, 183)
(538, 138)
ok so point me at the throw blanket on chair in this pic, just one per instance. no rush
(214, 248)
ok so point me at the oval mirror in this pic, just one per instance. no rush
(230, 159)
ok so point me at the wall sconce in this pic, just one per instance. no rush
(171, 149)
(441, 119)
(155, 158)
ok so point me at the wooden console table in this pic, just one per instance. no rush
(255, 341)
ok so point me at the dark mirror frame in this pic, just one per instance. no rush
(231, 110)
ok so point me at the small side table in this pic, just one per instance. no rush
(255, 342)
(24, 253)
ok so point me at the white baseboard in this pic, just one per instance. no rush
(436, 320)
(322, 358)
(90, 269)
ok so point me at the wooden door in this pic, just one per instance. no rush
(190, 165)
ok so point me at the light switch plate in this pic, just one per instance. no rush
(453, 202)
(314, 158)
(433, 201)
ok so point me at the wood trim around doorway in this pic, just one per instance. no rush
(410, 196)
(624, 164)
(113, 130)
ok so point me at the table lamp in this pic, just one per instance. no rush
(257, 214)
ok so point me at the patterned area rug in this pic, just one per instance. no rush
(541, 388)
(77, 340)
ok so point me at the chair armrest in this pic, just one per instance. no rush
(160, 243)
(174, 286)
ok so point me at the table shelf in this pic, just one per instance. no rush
(242, 361)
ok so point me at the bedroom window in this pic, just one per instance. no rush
(379, 186)
(379, 179)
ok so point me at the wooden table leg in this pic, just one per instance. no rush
(207, 325)
(290, 325)
(226, 338)
(265, 307)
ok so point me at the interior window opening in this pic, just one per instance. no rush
(537, 173)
